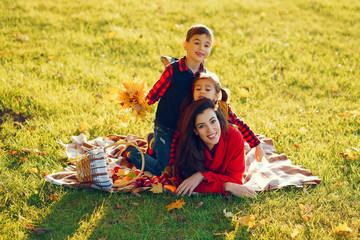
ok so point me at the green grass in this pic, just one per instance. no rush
(298, 59)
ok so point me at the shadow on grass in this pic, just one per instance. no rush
(67, 215)
(126, 216)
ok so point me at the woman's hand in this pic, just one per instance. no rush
(239, 190)
(259, 153)
(189, 184)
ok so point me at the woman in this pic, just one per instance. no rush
(210, 155)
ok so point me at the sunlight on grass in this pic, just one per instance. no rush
(291, 66)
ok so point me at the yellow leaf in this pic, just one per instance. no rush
(156, 188)
(334, 89)
(111, 35)
(73, 160)
(247, 221)
(177, 204)
(358, 121)
(33, 170)
(50, 57)
(342, 228)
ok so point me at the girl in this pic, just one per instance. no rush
(207, 85)
(209, 162)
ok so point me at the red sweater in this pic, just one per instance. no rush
(228, 164)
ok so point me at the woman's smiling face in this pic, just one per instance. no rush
(207, 127)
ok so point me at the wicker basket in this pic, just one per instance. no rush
(83, 168)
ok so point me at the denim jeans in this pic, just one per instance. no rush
(162, 145)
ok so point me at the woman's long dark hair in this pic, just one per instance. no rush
(190, 157)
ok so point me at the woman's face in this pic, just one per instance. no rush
(204, 88)
(207, 126)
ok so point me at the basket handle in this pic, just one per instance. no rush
(142, 163)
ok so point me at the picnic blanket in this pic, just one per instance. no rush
(273, 172)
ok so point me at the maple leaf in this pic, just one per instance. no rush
(156, 188)
(342, 228)
(177, 204)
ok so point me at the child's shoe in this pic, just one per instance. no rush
(150, 141)
(126, 152)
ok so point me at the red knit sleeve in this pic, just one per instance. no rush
(234, 170)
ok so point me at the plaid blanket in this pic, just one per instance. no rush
(273, 172)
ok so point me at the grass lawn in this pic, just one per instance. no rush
(293, 71)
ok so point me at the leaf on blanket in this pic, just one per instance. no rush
(177, 204)
(73, 160)
(342, 228)
(156, 188)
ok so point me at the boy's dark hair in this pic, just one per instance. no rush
(198, 29)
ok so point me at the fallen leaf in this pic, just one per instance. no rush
(297, 145)
(54, 197)
(13, 152)
(29, 225)
(111, 35)
(1, 52)
(296, 231)
(197, 205)
(342, 228)
(33, 170)
(247, 221)
(305, 210)
(228, 214)
(177, 204)
(334, 88)
(50, 58)
(337, 183)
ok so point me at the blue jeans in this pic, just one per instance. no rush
(162, 145)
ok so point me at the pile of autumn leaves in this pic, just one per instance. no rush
(131, 95)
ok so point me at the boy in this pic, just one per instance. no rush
(174, 83)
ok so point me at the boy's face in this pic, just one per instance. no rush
(198, 48)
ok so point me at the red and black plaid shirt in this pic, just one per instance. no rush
(163, 83)
(248, 135)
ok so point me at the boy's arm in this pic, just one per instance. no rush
(160, 86)
(248, 134)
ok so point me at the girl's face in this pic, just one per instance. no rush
(207, 127)
(204, 88)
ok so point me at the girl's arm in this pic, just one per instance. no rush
(248, 134)
(160, 86)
